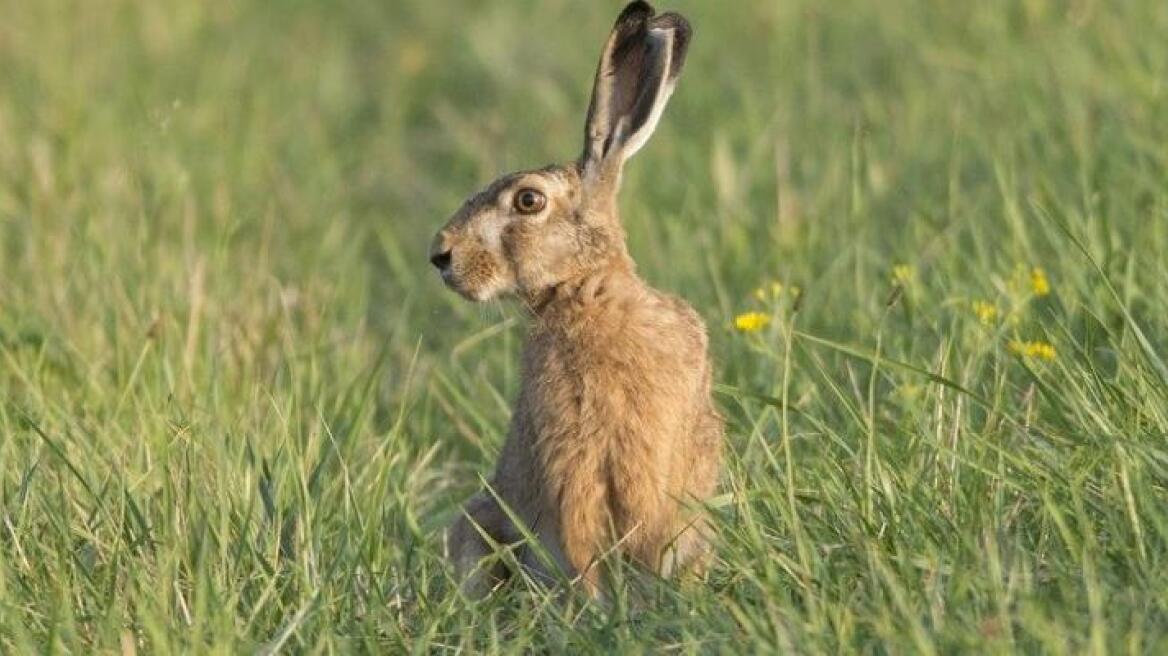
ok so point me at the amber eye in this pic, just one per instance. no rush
(529, 201)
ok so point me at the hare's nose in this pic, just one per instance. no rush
(441, 260)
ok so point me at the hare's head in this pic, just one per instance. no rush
(528, 232)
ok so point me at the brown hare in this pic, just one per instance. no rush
(614, 441)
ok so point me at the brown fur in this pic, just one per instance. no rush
(614, 439)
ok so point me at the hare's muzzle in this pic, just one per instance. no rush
(441, 254)
(441, 260)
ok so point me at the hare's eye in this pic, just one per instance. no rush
(529, 201)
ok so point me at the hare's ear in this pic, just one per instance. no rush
(638, 70)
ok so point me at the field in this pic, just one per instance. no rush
(237, 406)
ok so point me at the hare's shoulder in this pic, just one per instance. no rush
(669, 328)
(658, 332)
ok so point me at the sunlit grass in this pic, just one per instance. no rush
(237, 408)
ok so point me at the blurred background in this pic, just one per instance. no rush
(237, 406)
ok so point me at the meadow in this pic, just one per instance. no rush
(237, 406)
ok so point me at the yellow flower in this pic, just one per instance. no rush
(1044, 351)
(751, 322)
(1038, 282)
(986, 312)
(1036, 349)
(903, 274)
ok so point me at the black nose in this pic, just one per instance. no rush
(441, 260)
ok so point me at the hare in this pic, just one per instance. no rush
(614, 441)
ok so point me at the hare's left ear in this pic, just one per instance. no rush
(638, 71)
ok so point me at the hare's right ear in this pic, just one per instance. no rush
(638, 71)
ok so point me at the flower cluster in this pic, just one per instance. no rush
(1038, 282)
(1010, 309)
(1036, 350)
(903, 275)
(1022, 287)
(987, 313)
(771, 296)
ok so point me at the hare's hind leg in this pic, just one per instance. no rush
(690, 551)
(468, 544)
(689, 554)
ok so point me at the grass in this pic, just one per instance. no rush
(237, 408)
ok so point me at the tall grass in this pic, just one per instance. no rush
(237, 409)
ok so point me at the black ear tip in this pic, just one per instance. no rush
(639, 10)
(673, 21)
(682, 33)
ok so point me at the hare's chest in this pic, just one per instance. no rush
(583, 401)
(559, 391)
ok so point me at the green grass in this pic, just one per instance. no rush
(237, 408)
